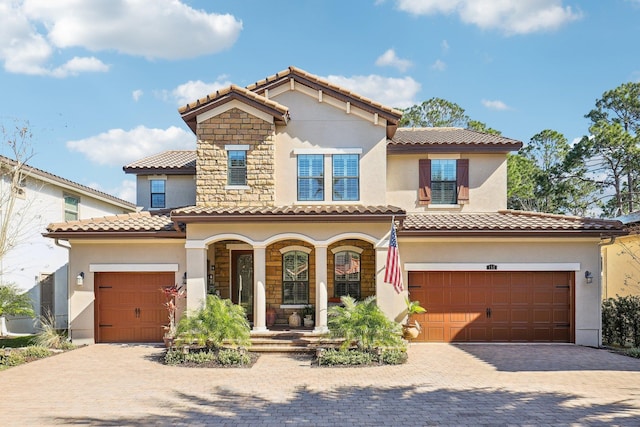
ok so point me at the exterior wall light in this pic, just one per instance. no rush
(184, 278)
(588, 276)
(80, 279)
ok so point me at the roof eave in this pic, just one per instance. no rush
(115, 234)
(163, 171)
(346, 217)
(510, 233)
(450, 148)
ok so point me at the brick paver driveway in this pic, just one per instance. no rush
(441, 384)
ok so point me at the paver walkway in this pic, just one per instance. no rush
(441, 385)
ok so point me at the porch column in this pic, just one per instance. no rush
(259, 288)
(321, 290)
(196, 275)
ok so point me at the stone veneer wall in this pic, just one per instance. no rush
(235, 127)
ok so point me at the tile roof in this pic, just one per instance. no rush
(296, 212)
(147, 223)
(507, 223)
(439, 138)
(172, 161)
(74, 186)
(302, 76)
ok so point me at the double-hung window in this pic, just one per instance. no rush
(310, 177)
(295, 277)
(71, 207)
(443, 182)
(158, 193)
(346, 177)
(347, 274)
(236, 167)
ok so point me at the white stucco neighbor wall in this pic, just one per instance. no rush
(581, 252)
(130, 256)
(36, 255)
(321, 126)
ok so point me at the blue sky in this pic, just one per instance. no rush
(100, 81)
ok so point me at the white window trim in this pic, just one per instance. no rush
(237, 187)
(295, 248)
(328, 151)
(347, 248)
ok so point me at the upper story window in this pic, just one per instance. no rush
(158, 193)
(347, 274)
(444, 181)
(295, 277)
(346, 177)
(71, 207)
(236, 167)
(310, 177)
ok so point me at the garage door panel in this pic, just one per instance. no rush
(133, 306)
(525, 306)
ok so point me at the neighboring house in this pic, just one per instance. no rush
(36, 264)
(621, 261)
(297, 182)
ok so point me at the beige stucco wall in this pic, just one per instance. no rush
(129, 253)
(487, 182)
(585, 252)
(180, 190)
(621, 267)
(319, 125)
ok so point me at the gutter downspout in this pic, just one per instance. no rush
(68, 248)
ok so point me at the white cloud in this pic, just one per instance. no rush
(495, 105)
(444, 45)
(439, 65)
(508, 16)
(194, 90)
(389, 58)
(137, 94)
(126, 191)
(393, 92)
(119, 147)
(32, 32)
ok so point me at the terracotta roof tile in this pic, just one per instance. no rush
(148, 222)
(506, 222)
(214, 96)
(287, 211)
(172, 160)
(408, 139)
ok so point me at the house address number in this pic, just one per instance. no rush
(492, 267)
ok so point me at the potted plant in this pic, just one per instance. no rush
(172, 293)
(411, 329)
(307, 313)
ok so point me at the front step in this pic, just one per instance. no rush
(290, 342)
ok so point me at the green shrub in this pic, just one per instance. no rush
(11, 357)
(621, 321)
(332, 357)
(633, 352)
(232, 356)
(220, 321)
(49, 336)
(174, 357)
(364, 324)
(13, 303)
(201, 356)
(393, 356)
(36, 352)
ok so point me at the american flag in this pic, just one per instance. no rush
(393, 272)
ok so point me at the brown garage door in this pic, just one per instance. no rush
(494, 306)
(130, 306)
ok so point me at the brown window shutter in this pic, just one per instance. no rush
(462, 174)
(424, 191)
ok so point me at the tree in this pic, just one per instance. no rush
(12, 303)
(15, 218)
(482, 127)
(435, 112)
(611, 149)
(520, 184)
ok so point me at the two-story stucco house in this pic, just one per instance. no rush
(36, 264)
(288, 201)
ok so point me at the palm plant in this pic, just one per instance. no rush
(219, 322)
(363, 323)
